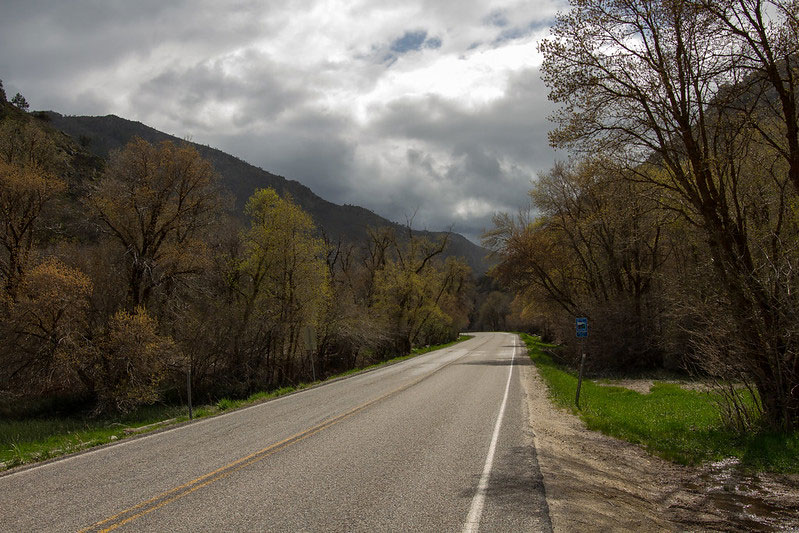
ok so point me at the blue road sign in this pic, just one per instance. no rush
(581, 325)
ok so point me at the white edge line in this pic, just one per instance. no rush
(472, 524)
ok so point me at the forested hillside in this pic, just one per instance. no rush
(102, 135)
(120, 276)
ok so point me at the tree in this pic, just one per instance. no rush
(156, 202)
(349, 330)
(28, 161)
(661, 84)
(595, 249)
(20, 102)
(494, 311)
(42, 326)
(282, 284)
(762, 37)
(23, 142)
(3, 99)
(127, 363)
(424, 300)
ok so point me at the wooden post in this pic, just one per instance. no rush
(580, 379)
(188, 391)
(308, 335)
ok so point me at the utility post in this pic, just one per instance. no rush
(581, 327)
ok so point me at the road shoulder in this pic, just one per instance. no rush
(594, 482)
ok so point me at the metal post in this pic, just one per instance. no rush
(313, 368)
(188, 391)
(580, 379)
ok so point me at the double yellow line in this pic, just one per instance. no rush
(137, 511)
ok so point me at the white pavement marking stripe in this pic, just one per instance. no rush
(472, 524)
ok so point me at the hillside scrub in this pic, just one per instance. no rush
(120, 277)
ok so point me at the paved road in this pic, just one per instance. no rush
(438, 443)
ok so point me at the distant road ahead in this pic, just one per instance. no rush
(439, 442)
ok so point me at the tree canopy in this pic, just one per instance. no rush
(693, 106)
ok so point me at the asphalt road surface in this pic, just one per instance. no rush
(438, 443)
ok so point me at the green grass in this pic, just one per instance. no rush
(678, 424)
(37, 439)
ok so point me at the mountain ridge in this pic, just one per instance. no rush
(102, 134)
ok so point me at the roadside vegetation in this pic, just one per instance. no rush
(678, 424)
(121, 277)
(674, 224)
(38, 438)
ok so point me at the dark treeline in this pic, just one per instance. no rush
(118, 277)
(675, 225)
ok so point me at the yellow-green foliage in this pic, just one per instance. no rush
(424, 300)
(131, 360)
(288, 279)
(25, 189)
(172, 283)
(154, 201)
(41, 326)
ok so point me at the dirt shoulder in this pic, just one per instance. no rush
(598, 483)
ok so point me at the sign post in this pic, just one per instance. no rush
(309, 340)
(581, 327)
(188, 390)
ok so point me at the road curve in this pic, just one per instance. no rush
(440, 442)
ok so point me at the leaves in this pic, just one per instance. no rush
(27, 185)
(130, 361)
(42, 325)
(423, 299)
(155, 202)
(695, 102)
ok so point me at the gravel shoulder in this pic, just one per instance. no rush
(597, 483)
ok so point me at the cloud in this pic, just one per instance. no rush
(464, 163)
(356, 99)
(513, 33)
(410, 41)
(496, 18)
(238, 90)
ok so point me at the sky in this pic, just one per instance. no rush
(430, 111)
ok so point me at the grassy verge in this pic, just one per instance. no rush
(38, 439)
(677, 424)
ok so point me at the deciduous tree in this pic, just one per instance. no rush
(28, 161)
(155, 202)
(41, 329)
(128, 361)
(423, 299)
(283, 286)
(659, 83)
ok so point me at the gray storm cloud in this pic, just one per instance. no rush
(429, 108)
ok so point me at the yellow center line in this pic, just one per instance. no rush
(221, 475)
(123, 517)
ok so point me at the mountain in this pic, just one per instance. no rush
(101, 135)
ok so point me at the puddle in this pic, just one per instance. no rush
(738, 501)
